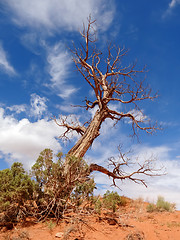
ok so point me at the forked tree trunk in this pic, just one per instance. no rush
(91, 133)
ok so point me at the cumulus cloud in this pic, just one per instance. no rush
(4, 63)
(59, 63)
(36, 108)
(56, 15)
(24, 140)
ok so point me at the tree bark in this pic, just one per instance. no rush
(91, 133)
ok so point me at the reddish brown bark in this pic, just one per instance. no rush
(117, 85)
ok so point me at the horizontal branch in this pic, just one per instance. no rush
(144, 169)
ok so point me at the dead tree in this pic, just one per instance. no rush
(114, 84)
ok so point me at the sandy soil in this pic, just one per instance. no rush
(129, 223)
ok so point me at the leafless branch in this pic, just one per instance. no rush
(70, 127)
(145, 169)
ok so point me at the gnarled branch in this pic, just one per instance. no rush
(118, 173)
(70, 127)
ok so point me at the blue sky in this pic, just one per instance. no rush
(38, 81)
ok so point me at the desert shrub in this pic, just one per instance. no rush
(161, 205)
(54, 182)
(111, 200)
(50, 224)
(16, 187)
(60, 181)
(151, 207)
(97, 204)
(83, 191)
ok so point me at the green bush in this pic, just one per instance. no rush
(61, 182)
(97, 204)
(83, 191)
(160, 206)
(163, 205)
(15, 186)
(151, 207)
(111, 200)
(54, 184)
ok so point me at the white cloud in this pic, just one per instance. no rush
(138, 115)
(55, 14)
(67, 91)
(59, 63)
(36, 109)
(165, 185)
(24, 140)
(18, 108)
(4, 63)
(38, 105)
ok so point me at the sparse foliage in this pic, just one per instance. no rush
(97, 205)
(111, 200)
(160, 206)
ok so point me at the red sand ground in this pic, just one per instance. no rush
(130, 223)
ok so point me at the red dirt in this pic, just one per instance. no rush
(131, 223)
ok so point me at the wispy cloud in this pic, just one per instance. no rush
(4, 63)
(66, 107)
(38, 105)
(36, 109)
(59, 63)
(54, 15)
(18, 108)
(172, 5)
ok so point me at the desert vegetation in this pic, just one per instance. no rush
(54, 186)
(62, 184)
(48, 190)
(161, 205)
(33, 197)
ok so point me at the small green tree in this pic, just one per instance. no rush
(16, 187)
(42, 169)
(111, 200)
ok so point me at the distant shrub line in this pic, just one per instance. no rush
(160, 206)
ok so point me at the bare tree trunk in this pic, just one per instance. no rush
(116, 84)
(91, 133)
